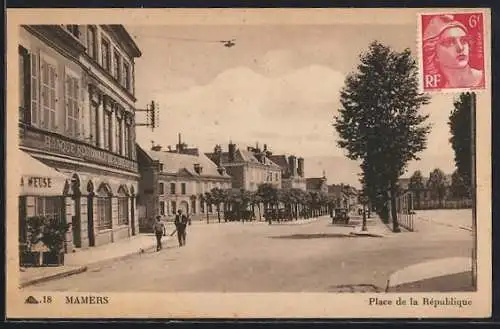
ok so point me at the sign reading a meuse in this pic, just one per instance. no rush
(86, 152)
(36, 182)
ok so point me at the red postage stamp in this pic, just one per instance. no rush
(452, 51)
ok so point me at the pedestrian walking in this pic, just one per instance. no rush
(181, 222)
(160, 231)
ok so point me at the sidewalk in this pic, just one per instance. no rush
(84, 259)
(374, 227)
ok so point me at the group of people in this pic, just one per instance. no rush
(180, 222)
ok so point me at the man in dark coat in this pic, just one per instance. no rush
(181, 222)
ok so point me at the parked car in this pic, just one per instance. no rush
(440, 275)
(341, 215)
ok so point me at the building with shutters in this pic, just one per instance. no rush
(292, 171)
(176, 179)
(248, 167)
(77, 130)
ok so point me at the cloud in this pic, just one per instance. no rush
(291, 113)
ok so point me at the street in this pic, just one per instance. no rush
(256, 257)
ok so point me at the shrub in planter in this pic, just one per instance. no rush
(34, 227)
(54, 234)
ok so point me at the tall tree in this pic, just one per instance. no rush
(218, 197)
(437, 185)
(416, 185)
(460, 128)
(459, 188)
(379, 120)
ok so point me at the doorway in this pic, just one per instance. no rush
(90, 221)
(132, 214)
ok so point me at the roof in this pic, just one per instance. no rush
(315, 183)
(174, 163)
(280, 160)
(126, 38)
(242, 156)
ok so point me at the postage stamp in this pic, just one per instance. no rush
(257, 163)
(452, 51)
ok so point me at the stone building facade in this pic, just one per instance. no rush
(292, 171)
(172, 180)
(248, 168)
(77, 127)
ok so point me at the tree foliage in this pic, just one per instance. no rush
(379, 120)
(460, 128)
(437, 184)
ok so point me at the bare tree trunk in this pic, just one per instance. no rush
(394, 212)
(218, 211)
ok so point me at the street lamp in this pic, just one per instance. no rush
(364, 201)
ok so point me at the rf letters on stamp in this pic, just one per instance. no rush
(258, 163)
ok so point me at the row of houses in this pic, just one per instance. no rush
(77, 152)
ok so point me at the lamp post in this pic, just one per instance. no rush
(364, 200)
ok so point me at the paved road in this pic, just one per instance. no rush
(253, 257)
(460, 218)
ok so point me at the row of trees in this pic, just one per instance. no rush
(379, 123)
(269, 202)
(439, 186)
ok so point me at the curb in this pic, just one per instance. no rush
(84, 268)
(51, 277)
(368, 234)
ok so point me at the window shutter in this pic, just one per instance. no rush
(35, 88)
(67, 109)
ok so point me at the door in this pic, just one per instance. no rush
(132, 214)
(76, 223)
(90, 222)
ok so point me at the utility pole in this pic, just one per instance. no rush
(473, 189)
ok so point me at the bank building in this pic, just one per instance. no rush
(77, 155)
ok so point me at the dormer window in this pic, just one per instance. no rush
(222, 171)
(198, 168)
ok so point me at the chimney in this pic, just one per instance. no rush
(292, 163)
(232, 151)
(300, 167)
(218, 154)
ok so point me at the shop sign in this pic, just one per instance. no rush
(36, 182)
(52, 143)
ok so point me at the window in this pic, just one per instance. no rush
(74, 30)
(107, 130)
(126, 138)
(105, 58)
(72, 99)
(162, 207)
(50, 207)
(161, 188)
(117, 66)
(126, 76)
(24, 84)
(93, 123)
(172, 188)
(183, 188)
(123, 210)
(276, 177)
(161, 166)
(103, 209)
(48, 95)
(174, 207)
(92, 42)
(35, 90)
(118, 136)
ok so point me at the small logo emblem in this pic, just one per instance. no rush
(31, 300)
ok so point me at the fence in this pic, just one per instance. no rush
(404, 207)
(445, 204)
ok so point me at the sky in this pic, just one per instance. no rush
(279, 85)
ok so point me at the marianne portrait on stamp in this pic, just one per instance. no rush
(447, 53)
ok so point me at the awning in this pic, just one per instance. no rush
(39, 179)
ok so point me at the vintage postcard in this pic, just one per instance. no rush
(248, 163)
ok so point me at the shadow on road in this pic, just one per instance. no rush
(319, 236)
